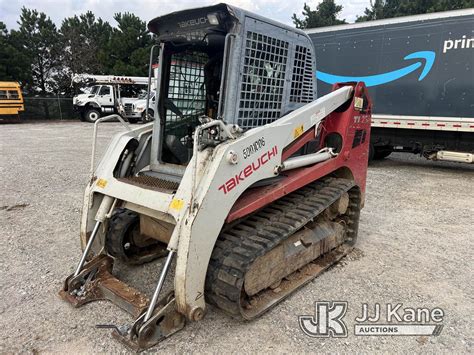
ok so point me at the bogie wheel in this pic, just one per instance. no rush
(91, 115)
(124, 242)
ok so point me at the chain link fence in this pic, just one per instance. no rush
(49, 108)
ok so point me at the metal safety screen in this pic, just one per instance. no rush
(263, 80)
(302, 89)
(186, 88)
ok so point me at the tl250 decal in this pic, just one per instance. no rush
(248, 170)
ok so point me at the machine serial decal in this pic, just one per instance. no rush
(379, 79)
(248, 170)
(254, 147)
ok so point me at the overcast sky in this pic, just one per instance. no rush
(280, 10)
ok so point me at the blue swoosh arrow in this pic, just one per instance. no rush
(379, 79)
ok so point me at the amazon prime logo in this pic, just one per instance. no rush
(327, 320)
(460, 43)
(427, 61)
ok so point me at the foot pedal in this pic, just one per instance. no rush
(96, 282)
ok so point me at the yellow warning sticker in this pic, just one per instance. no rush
(298, 131)
(176, 204)
(102, 183)
(359, 103)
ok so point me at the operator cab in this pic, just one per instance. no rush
(224, 63)
(191, 65)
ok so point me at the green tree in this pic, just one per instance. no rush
(325, 15)
(85, 40)
(380, 9)
(129, 46)
(14, 65)
(40, 43)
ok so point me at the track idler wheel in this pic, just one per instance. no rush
(125, 242)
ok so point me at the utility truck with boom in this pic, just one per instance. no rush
(105, 97)
(247, 184)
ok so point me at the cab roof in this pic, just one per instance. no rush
(199, 19)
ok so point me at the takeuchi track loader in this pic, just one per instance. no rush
(251, 183)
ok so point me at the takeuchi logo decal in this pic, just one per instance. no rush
(380, 79)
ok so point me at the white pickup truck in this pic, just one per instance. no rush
(134, 109)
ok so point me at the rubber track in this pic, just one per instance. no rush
(237, 247)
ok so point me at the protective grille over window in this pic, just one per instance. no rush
(302, 81)
(263, 80)
(186, 87)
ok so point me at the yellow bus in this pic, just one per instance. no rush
(11, 99)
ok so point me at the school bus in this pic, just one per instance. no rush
(11, 99)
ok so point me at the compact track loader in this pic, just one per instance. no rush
(252, 184)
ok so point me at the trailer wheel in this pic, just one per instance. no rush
(91, 115)
(132, 119)
(371, 152)
(147, 118)
(382, 152)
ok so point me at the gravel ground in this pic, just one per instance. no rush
(415, 247)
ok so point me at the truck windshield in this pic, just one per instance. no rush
(94, 89)
(144, 95)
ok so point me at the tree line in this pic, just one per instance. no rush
(43, 57)
(327, 11)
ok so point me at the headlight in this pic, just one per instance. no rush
(139, 109)
(213, 19)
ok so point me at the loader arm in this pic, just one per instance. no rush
(222, 182)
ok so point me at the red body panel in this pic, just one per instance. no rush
(350, 163)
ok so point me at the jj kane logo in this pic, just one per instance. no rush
(327, 321)
(391, 319)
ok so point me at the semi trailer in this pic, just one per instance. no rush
(420, 71)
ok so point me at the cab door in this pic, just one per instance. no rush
(105, 98)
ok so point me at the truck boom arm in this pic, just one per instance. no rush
(109, 79)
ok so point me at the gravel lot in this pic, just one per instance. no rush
(415, 247)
